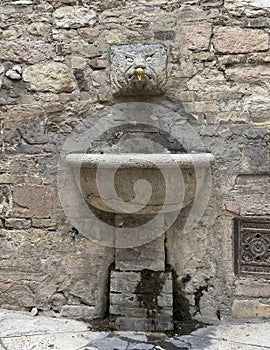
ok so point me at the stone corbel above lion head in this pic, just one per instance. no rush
(138, 70)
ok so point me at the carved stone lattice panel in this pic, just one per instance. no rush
(138, 70)
(252, 245)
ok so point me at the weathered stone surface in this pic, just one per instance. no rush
(248, 74)
(39, 29)
(250, 288)
(78, 62)
(20, 224)
(74, 17)
(78, 312)
(249, 7)
(30, 52)
(196, 36)
(98, 64)
(37, 265)
(25, 123)
(54, 76)
(150, 256)
(33, 201)
(239, 40)
(189, 13)
(141, 300)
(44, 223)
(250, 309)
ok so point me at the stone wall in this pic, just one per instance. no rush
(54, 74)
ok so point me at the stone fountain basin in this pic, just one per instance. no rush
(123, 170)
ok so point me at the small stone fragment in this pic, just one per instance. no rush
(233, 207)
(98, 64)
(34, 312)
(15, 73)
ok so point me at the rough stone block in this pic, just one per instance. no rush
(248, 74)
(251, 288)
(248, 7)
(201, 107)
(53, 76)
(30, 52)
(143, 304)
(78, 312)
(128, 311)
(126, 276)
(150, 256)
(33, 201)
(20, 224)
(196, 36)
(165, 300)
(74, 17)
(24, 122)
(44, 223)
(250, 309)
(188, 13)
(122, 286)
(143, 324)
(124, 299)
(239, 40)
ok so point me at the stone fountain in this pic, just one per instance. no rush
(135, 192)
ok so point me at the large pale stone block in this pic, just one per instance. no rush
(248, 74)
(30, 52)
(74, 17)
(196, 36)
(54, 77)
(239, 40)
(251, 288)
(33, 201)
(250, 309)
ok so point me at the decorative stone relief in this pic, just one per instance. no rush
(252, 245)
(138, 69)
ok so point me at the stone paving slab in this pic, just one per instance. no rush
(20, 331)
